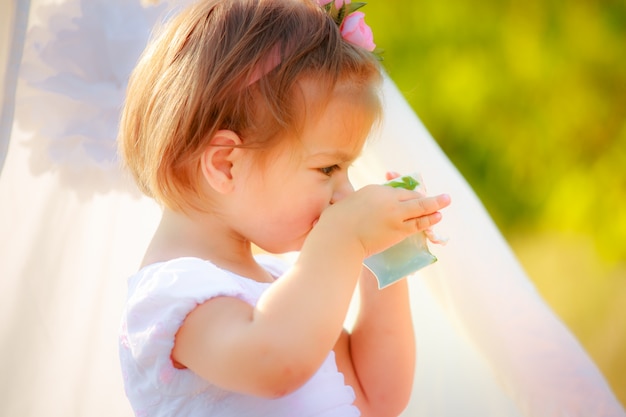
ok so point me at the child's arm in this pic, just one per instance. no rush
(378, 357)
(277, 346)
(274, 348)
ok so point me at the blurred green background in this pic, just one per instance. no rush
(528, 99)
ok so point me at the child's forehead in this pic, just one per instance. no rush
(339, 133)
(336, 118)
(332, 122)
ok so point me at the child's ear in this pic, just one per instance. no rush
(217, 160)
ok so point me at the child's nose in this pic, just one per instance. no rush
(342, 190)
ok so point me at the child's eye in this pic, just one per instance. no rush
(329, 170)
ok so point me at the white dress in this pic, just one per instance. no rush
(74, 228)
(160, 296)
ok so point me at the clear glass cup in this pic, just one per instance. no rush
(407, 256)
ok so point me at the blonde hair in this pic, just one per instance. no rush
(227, 65)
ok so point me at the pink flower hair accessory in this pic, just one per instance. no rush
(357, 32)
(351, 23)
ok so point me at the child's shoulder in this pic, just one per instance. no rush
(199, 278)
(190, 266)
(181, 277)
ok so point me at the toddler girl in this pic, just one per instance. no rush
(242, 119)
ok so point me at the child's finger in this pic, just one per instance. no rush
(424, 206)
(422, 223)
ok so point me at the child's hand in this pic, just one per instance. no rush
(379, 216)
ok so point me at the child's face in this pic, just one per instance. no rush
(278, 207)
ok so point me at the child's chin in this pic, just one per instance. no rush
(283, 248)
(295, 247)
(288, 249)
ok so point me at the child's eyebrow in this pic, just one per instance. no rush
(335, 155)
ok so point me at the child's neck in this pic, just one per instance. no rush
(203, 236)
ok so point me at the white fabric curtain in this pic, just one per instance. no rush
(74, 227)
